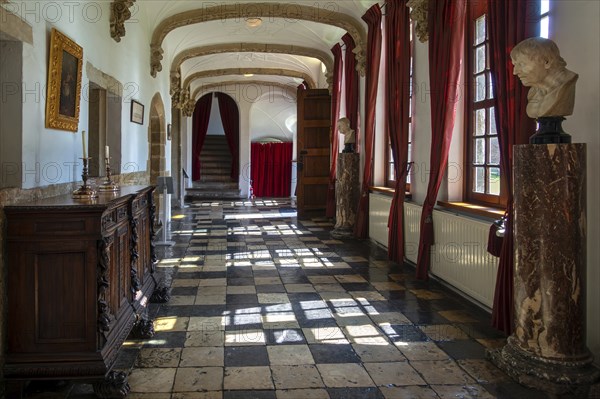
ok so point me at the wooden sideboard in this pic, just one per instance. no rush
(80, 276)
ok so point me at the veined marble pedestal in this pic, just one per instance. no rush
(547, 350)
(347, 193)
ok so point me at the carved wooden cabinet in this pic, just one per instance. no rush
(80, 274)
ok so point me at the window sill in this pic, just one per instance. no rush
(387, 191)
(472, 209)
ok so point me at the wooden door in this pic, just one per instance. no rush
(314, 128)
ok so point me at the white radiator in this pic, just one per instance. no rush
(379, 212)
(458, 257)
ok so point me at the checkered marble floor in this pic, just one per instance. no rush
(268, 306)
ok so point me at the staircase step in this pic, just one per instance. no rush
(216, 164)
(215, 156)
(192, 194)
(213, 185)
(214, 178)
(215, 172)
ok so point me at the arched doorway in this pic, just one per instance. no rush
(157, 139)
(215, 147)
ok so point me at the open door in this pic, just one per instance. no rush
(314, 128)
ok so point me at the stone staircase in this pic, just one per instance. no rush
(215, 170)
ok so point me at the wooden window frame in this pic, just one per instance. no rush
(475, 11)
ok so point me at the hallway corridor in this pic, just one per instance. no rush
(266, 306)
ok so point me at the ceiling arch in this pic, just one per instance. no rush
(254, 71)
(257, 10)
(322, 56)
(274, 88)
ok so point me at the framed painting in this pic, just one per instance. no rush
(137, 112)
(64, 83)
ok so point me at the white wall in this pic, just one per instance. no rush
(87, 23)
(575, 29)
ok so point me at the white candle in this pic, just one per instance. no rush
(106, 152)
(83, 144)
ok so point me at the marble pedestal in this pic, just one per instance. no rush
(347, 193)
(547, 350)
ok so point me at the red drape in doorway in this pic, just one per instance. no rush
(397, 22)
(230, 117)
(510, 22)
(446, 48)
(271, 169)
(352, 87)
(336, 92)
(373, 19)
(199, 127)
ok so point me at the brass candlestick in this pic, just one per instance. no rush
(108, 184)
(85, 191)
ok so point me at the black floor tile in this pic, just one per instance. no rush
(425, 317)
(284, 336)
(355, 393)
(236, 281)
(249, 395)
(250, 299)
(323, 353)
(404, 333)
(270, 288)
(463, 349)
(266, 273)
(192, 310)
(357, 287)
(242, 356)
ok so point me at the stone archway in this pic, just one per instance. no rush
(157, 138)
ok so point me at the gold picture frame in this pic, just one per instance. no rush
(64, 83)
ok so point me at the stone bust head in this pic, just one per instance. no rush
(538, 64)
(344, 128)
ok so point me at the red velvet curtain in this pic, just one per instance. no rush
(352, 87)
(200, 121)
(373, 19)
(334, 136)
(230, 117)
(446, 48)
(510, 22)
(397, 22)
(271, 169)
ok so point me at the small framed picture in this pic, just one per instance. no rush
(169, 131)
(137, 112)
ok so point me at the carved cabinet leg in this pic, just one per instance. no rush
(143, 328)
(161, 294)
(114, 385)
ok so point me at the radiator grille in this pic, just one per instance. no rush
(459, 255)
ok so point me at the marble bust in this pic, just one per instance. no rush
(349, 136)
(538, 64)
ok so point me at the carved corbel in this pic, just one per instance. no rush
(119, 14)
(176, 90)
(188, 109)
(156, 56)
(361, 59)
(419, 11)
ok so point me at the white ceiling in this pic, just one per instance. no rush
(272, 31)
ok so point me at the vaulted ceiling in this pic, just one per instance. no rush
(201, 44)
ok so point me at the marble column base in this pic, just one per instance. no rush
(347, 193)
(564, 380)
(547, 350)
(342, 233)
